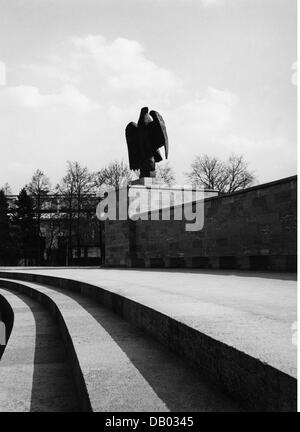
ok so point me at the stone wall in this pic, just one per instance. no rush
(251, 229)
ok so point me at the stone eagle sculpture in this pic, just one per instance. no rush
(144, 140)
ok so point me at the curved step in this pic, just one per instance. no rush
(248, 378)
(34, 373)
(116, 366)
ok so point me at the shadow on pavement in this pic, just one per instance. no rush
(174, 381)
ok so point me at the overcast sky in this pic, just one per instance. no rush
(73, 73)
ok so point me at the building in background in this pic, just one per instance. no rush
(69, 231)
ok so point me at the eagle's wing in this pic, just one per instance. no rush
(158, 132)
(157, 155)
(131, 133)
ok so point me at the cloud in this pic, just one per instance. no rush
(2, 74)
(208, 3)
(205, 3)
(114, 71)
(52, 72)
(199, 126)
(90, 70)
(121, 66)
(207, 114)
(30, 97)
(108, 82)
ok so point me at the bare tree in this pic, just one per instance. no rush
(77, 183)
(208, 172)
(6, 189)
(166, 173)
(39, 188)
(113, 175)
(238, 175)
(226, 177)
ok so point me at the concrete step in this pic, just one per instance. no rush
(34, 373)
(118, 367)
(235, 329)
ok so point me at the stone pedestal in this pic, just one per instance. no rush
(151, 195)
(145, 199)
(146, 181)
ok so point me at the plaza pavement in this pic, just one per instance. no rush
(253, 312)
(116, 366)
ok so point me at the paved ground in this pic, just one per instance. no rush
(253, 312)
(123, 368)
(34, 373)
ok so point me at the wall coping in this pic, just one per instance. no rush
(242, 191)
(260, 186)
